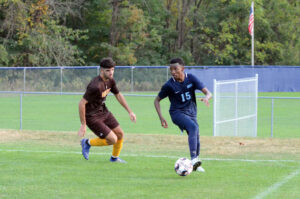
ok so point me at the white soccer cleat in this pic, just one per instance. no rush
(200, 169)
(196, 163)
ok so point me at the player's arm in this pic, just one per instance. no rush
(207, 97)
(122, 101)
(200, 86)
(81, 107)
(157, 107)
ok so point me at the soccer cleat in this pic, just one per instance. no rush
(85, 148)
(200, 169)
(196, 163)
(117, 159)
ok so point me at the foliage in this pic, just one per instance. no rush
(133, 32)
(33, 38)
(4, 56)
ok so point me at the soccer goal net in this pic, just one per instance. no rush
(235, 107)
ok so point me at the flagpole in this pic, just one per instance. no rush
(252, 43)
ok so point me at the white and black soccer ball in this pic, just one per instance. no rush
(183, 166)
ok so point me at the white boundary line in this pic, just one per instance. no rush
(277, 185)
(148, 156)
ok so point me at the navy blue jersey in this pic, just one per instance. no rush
(182, 94)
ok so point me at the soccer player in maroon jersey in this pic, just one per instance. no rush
(94, 114)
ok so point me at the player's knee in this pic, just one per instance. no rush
(119, 133)
(111, 138)
(193, 129)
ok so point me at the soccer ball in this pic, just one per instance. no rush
(183, 166)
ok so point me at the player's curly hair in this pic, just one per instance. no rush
(107, 63)
(177, 61)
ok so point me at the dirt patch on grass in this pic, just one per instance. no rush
(238, 145)
(42, 137)
(222, 146)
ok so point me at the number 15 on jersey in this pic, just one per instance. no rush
(185, 96)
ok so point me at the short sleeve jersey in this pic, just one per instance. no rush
(96, 93)
(182, 94)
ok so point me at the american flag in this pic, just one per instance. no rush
(251, 21)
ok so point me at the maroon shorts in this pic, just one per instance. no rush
(102, 124)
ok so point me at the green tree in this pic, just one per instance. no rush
(221, 38)
(32, 36)
(134, 32)
(3, 56)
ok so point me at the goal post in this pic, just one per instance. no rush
(235, 107)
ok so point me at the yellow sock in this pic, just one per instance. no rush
(98, 142)
(117, 148)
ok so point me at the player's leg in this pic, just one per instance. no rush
(105, 135)
(192, 128)
(197, 163)
(193, 133)
(118, 145)
(86, 144)
(199, 167)
(185, 122)
(198, 138)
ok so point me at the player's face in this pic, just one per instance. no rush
(108, 73)
(177, 71)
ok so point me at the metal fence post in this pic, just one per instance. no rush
(61, 79)
(167, 73)
(272, 117)
(21, 110)
(215, 108)
(236, 109)
(24, 79)
(256, 103)
(132, 67)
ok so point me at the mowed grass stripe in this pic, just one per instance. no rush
(277, 185)
(53, 167)
(146, 156)
(28, 175)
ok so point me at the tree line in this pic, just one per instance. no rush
(147, 32)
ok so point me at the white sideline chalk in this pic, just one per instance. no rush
(147, 156)
(277, 185)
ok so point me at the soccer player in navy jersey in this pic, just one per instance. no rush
(183, 108)
(94, 113)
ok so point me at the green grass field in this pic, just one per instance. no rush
(45, 161)
(41, 164)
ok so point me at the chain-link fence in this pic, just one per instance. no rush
(46, 98)
(75, 79)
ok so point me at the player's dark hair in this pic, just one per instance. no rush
(107, 63)
(177, 60)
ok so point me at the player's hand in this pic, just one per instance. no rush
(82, 130)
(205, 100)
(164, 123)
(132, 117)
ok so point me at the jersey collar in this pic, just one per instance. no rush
(183, 80)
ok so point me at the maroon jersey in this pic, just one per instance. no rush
(96, 93)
